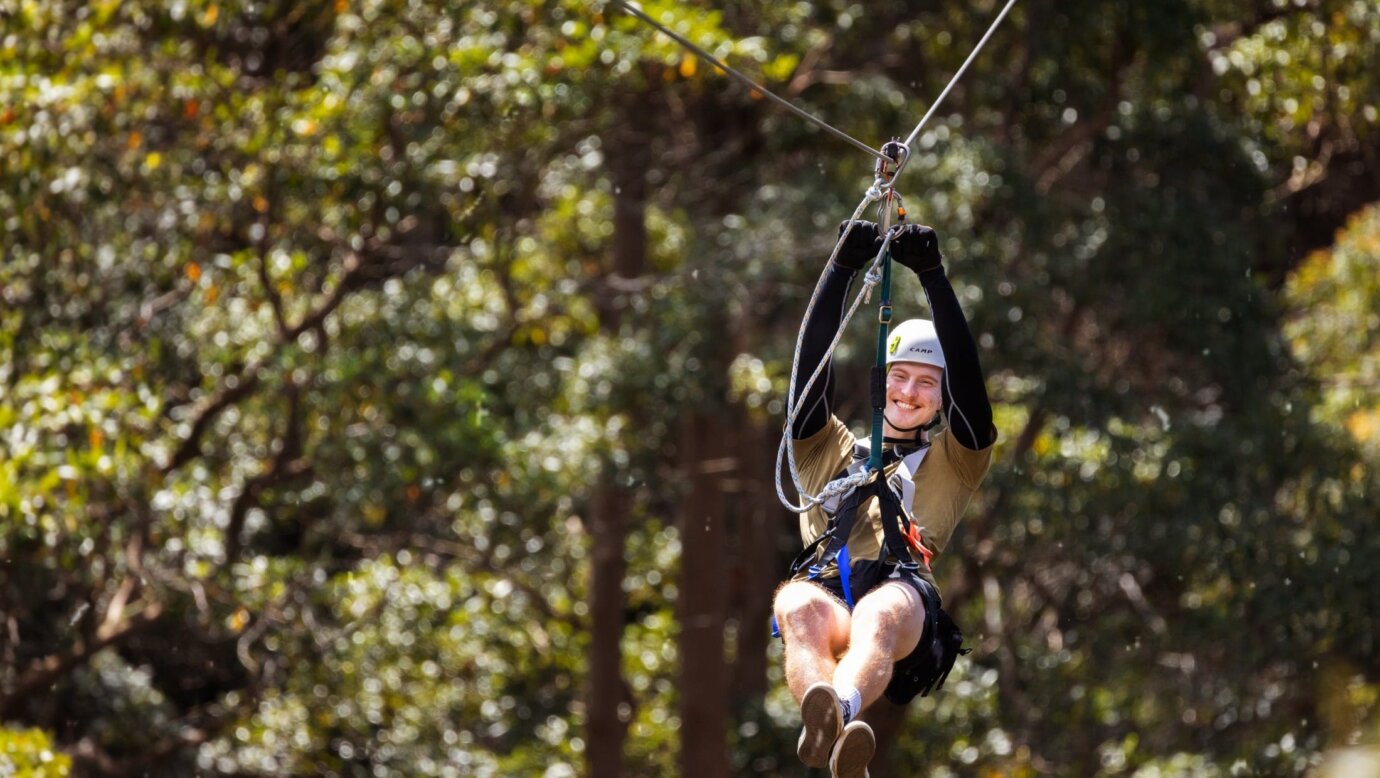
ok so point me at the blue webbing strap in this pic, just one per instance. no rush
(845, 576)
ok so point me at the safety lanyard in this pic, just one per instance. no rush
(894, 157)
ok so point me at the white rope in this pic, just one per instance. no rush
(878, 191)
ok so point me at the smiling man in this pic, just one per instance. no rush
(861, 614)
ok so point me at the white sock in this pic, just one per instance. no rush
(852, 703)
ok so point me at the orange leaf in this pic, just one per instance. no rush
(135, 140)
(239, 620)
(260, 204)
(194, 271)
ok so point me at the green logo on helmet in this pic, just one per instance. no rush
(894, 344)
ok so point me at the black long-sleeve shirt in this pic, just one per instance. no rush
(967, 408)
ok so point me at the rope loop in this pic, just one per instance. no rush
(878, 191)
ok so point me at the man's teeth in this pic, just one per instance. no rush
(906, 406)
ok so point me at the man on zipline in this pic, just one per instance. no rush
(877, 628)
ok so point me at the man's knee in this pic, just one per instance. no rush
(892, 608)
(802, 607)
(892, 600)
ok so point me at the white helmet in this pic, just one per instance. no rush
(915, 340)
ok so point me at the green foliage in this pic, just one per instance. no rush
(30, 754)
(1334, 327)
(1299, 69)
(313, 359)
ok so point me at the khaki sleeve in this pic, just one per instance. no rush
(969, 466)
(944, 486)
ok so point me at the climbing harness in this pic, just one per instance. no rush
(900, 534)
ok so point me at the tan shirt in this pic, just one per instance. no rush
(944, 485)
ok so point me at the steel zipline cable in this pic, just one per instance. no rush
(889, 166)
(781, 101)
(957, 75)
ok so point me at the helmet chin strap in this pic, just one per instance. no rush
(928, 425)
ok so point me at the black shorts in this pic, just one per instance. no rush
(925, 668)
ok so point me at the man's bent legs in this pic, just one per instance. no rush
(886, 627)
(815, 628)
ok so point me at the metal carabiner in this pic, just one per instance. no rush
(893, 158)
(891, 203)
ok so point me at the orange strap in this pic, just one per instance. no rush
(913, 537)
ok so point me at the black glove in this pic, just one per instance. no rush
(917, 247)
(860, 247)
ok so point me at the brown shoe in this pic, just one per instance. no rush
(853, 751)
(822, 714)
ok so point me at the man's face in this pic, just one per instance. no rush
(912, 395)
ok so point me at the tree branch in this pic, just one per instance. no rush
(360, 271)
(44, 672)
(286, 465)
(233, 389)
(1228, 33)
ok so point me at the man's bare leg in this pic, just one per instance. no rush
(814, 627)
(885, 627)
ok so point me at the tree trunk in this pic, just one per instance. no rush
(756, 567)
(702, 603)
(885, 718)
(606, 728)
(609, 700)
